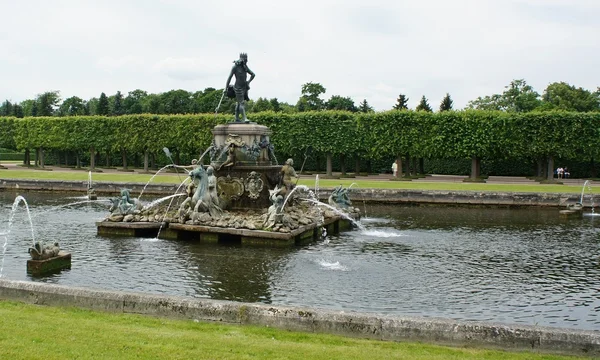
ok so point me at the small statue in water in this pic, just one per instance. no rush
(41, 251)
(339, 198)
(241, 86)
(274, 214)
(124, 205)
(205, 198)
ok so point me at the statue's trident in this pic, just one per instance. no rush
(220, 101)
(304, 162)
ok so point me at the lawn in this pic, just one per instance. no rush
(377, 183)
(42, 332)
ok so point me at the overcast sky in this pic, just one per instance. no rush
(364, 49)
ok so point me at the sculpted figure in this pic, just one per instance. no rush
(205, 198)
(339, 198)
(190, 190)
(274, 212)
(41, 251)
(230, 157)
(241, 86)
(124, 205)
(287, 172)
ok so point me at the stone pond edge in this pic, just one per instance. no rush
(382, 196)
(352, 324)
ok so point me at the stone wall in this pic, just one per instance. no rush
(372, 326)
(382, 196)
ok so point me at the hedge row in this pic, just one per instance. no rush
(380, 137)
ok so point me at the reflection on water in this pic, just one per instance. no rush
(516, 266)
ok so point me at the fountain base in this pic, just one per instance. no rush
(37, 267)
(214, 234)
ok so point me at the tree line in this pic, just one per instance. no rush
(518, 96)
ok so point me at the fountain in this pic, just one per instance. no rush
(576, 209)
(44, 257)
(241, 196)
(91, 192)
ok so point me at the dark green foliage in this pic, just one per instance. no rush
(117, 107)
(364, 107)
(446, 103)
(401, 103)
(562, 96)
(103, 107)
(424, 105)
(518, 97)
(6, 109)
(132, 103)
(175, 102)
(310, 99)
(47, 103)
(18, 111)
(261, 104)
(275, 105)
(72, 106)
(337, 102)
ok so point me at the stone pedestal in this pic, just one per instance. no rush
(37, 267)
(249, 168)
(247, 187)
(251, 144)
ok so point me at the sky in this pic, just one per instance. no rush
(373, 50)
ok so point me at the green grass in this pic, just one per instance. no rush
(128, 177)
(41, 332)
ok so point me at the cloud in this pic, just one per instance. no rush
(374, 50)
(186, 68)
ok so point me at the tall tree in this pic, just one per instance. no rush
(310, 100)
(562, 96)
(177, 102)
(446, 103)
(47, 103)
(494, 102)
(6, 109)
(117, 105)
(102, 108)
(401, 102)
(424, 105)
(133, 101)
(337, 102)
(72, 106)
(365, 107)
(520, 97)
(18, 111)
(275, 105)
(261, 104)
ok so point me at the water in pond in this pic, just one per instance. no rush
(524, 266)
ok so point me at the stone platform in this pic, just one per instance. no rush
(133, 229)
(62, 261)
(212, 234)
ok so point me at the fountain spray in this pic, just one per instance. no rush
(168, 153)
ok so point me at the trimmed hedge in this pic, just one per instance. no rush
(507, 143)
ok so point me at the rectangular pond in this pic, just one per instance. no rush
(525, 266)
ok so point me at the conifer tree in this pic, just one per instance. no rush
(446, 103)
(401, 103)
(424, 105)
(102, 108)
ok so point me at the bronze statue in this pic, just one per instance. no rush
(287, 172)
(241, 86)
(230, 157)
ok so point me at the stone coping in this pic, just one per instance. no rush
(355, 324)
(381, 196)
